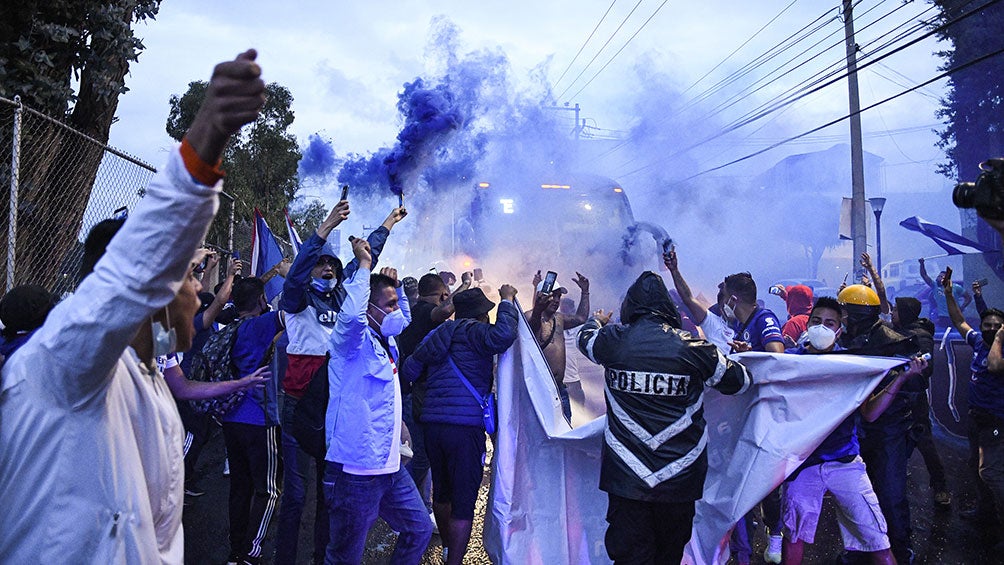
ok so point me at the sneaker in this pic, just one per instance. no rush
(943, 499)
(435, 526)
(773, 552)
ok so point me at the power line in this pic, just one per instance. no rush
(576, 57)
(842, 118)
(746, 93)
(780, 47)
(864, 65)
(664, 2)
(767, 56)
(744, 44)
(824, 82)
(741, 96)
(604, 46)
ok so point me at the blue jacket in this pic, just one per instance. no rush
(312, 313)
(361, 401)
(472, 345)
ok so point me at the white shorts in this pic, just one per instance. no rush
(862, 525)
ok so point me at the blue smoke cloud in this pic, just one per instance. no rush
(446, 120)
(318, 158)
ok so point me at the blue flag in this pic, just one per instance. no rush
(294, 238)
(265, 253)
(951, 242)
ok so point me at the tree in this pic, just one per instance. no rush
(261, 162)
(306, 217)
(45, 49)
(973, 110)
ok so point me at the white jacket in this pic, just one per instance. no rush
(91, 465)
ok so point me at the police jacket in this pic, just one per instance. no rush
(654, 443)
(472, 345)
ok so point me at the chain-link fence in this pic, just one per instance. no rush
(57, 183)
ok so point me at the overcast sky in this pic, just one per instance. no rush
(345, 62)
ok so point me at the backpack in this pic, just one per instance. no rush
(309, 415)
(214, 364)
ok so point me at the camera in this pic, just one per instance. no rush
(986, 194)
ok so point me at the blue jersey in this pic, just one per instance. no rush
(254, 338)
(986, 389)
(843, 441)
(761, 329)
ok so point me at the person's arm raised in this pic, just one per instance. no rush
(697, 310)
(954, 312)
(146, 262)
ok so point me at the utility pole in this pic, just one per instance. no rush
(859, 235)
(576, 129)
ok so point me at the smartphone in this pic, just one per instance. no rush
(983, 282)
(345, 192)
(667, 246)
(479, 275)
(549, 279)
(400, 200)
(120, 213)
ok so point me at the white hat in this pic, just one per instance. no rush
(557, 287)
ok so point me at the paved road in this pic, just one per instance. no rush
(939, 537)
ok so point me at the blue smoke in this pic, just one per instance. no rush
(445, 122)
(318, 158)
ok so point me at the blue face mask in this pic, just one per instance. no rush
(324, 285)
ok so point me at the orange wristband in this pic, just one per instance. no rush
(201, 171)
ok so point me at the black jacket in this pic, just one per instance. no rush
(655, 380)
(882, 341)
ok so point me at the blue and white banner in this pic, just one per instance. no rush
(294, 238)
(545, 505)
(951, 242)
(265, 253)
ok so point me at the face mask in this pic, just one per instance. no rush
(861, 320)
(324, 285)
(164, 341)
(988, 338)
(728, 311)
(821, 337)
(393, 322)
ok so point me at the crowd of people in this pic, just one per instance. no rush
(383, 384)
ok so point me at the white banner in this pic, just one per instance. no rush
(545, 504)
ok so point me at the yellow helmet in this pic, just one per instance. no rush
(858, 294)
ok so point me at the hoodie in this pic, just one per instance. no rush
(654, 443)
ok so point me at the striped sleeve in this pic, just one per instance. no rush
(586, 341)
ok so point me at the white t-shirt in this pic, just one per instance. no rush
(572, 355)
(717, 332)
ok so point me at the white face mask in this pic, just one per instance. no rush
(821, 337)
(728, 311)
(393, 322)
(164, 341)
